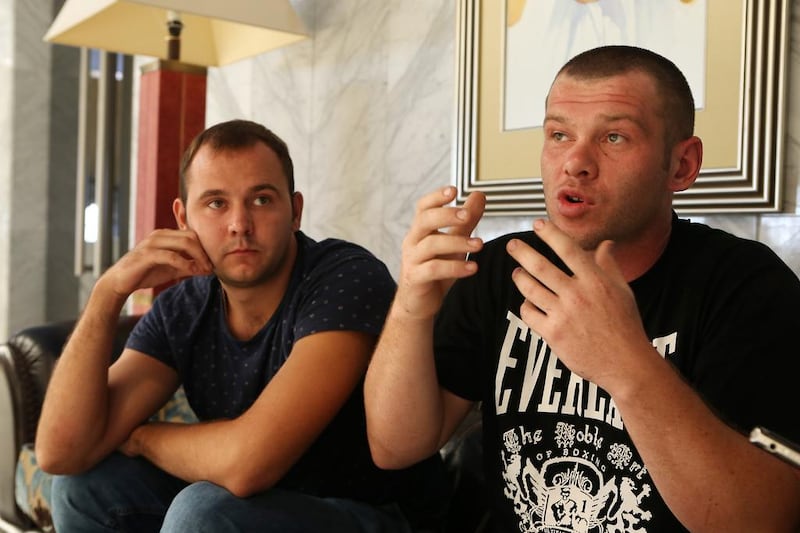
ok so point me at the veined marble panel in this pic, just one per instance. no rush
(420, 111)
(229, 92)
(282, 85)
(348, 122)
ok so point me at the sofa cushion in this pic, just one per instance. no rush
(32, 489)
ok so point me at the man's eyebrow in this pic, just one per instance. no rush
(554, 118)
(221, 192)
(211, 192)
(264, 187)
(621, 117)
(624, 117)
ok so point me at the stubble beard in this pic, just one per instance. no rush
(246, 282)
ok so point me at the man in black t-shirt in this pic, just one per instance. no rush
(619, 354)
(269, 332)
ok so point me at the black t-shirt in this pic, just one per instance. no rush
(557, 456)
(335, 285)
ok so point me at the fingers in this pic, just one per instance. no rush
(178, 248)
(471, 213)
(537, 295)
(536, 265)
(433, 214)
(162, 257)
(435, 250)
(441, 232)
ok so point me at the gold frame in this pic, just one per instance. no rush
(742, 128)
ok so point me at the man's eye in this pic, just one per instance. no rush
(559, 136)
(262, 200)
(215, 204)
(614, 138)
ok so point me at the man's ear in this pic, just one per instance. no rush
(686, 161)
(297, 209)
(179, 211)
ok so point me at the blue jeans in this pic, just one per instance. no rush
(125, 494)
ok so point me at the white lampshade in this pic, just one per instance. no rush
(215, 32)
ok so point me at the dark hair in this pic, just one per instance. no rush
(677, 103)
(234, 135)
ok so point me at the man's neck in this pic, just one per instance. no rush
(635, 259)
(247, 310)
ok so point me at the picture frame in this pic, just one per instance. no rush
(742, 122)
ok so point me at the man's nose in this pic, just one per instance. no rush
(240, 221)
(581, 160)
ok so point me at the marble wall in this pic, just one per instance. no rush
(366, 106)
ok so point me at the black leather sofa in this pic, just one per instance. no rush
(26, 363)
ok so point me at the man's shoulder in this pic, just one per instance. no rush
(331, 253)
(193, 287)
(186, 297)
(703, 240)
(701, 252)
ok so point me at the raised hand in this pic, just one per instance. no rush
(164, 256)
(435, 249)
(589, 319)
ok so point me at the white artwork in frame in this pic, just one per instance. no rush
(739, 79)
(541, 35)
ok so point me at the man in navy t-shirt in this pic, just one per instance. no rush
(268, 331)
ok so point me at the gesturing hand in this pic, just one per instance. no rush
(589, 319)
(435, 250)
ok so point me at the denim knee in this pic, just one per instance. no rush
(200, 507)
(118, 494)
(78, 503)
(205, 507)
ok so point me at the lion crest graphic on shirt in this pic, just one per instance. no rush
(569, 494)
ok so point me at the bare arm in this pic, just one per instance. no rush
(292, 411)
(409, 416)
(709, 475)
(88, 409)
(712, 478)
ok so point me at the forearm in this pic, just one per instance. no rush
(74, 412)
(709, 475)
(405, 411)
(208, 451)
(180, 449)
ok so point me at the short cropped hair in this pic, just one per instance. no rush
(234, 135)
(677, 103)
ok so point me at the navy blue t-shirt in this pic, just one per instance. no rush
(335, 285)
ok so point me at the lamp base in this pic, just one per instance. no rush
(172, 106)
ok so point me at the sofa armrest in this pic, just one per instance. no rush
(26, 363)
(11, 437)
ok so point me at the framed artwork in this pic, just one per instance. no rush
(733, 53)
